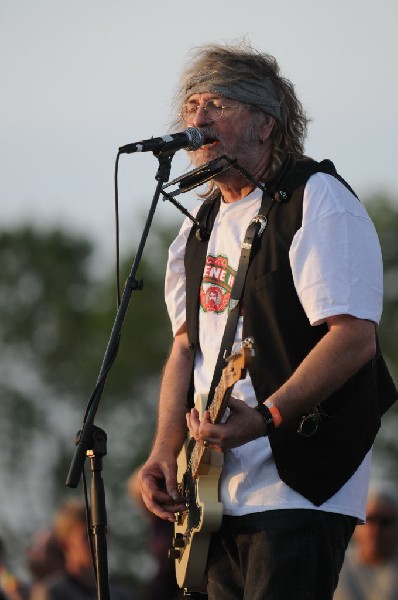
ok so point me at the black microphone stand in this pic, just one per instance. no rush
(91, 440)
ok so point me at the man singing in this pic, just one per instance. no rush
(297, 435)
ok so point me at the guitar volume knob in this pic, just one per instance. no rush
(174, 554)
(178, 541)
(180, 516)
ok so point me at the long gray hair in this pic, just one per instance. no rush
(239, 72)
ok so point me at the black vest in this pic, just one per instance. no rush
(318, 466)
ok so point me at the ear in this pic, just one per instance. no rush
(267, 127)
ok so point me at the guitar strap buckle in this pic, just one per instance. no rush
(309, 423)
(260, 219)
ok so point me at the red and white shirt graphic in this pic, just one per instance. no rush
(217, 282)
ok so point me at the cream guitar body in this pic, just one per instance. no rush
(198, 474)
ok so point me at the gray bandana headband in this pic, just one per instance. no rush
(257, 93)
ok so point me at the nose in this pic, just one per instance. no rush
(201, 118)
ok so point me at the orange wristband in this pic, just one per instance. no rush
(276, 415)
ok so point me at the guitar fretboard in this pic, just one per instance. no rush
(230, 375)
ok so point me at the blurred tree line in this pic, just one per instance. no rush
(56, 316)
(55, 320)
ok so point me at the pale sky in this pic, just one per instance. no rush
(79, 78)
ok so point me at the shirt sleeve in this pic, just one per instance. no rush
(175, 277)
(335, 256)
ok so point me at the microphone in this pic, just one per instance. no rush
(191, 139)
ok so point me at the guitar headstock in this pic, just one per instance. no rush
(237, 363)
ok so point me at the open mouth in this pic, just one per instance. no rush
(209, 141)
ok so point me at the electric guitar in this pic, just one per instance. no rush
(198, 472)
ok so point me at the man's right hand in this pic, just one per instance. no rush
(158, 481)
(158, 476)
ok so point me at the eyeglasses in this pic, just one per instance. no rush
(382, 521)
(214, 109)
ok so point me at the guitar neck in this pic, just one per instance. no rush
(216, 409)
(234, 370)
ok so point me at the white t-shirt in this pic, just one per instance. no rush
(337, 269)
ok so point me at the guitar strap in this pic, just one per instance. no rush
(255, 229)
